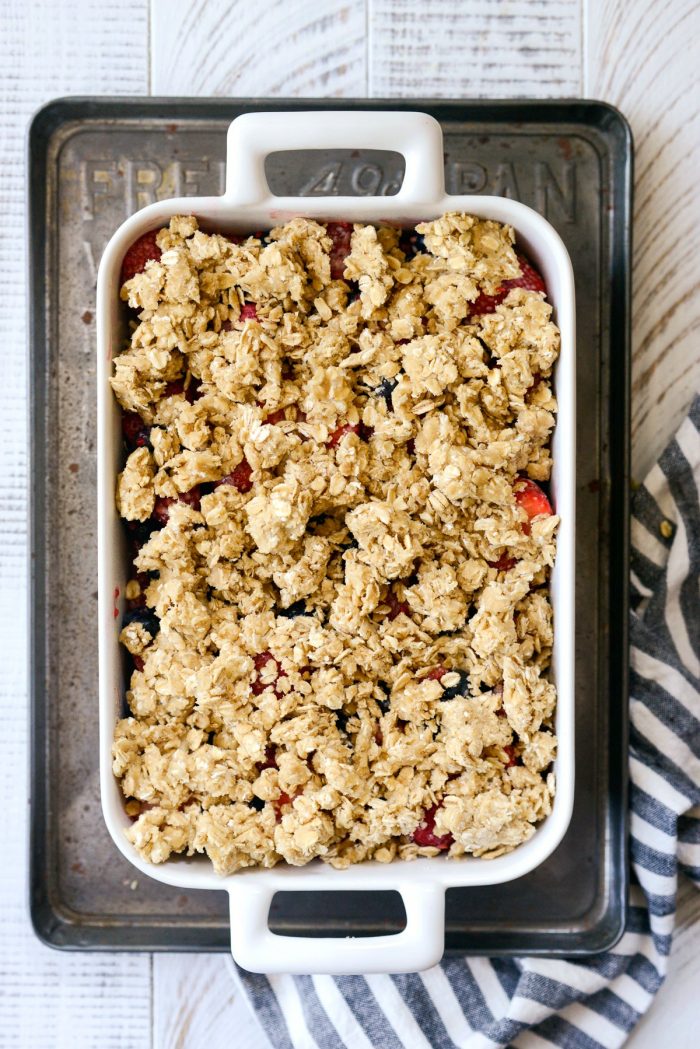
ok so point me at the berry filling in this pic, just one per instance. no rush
(139, 602)
(270, 761)
(136, 433)
(461, 688)
(530, 497)
(161, 509)
(177, 387)
(341, 235)
(504, 563)
(412, 243)
(240, 478)
(141, 251)
(259, 686)
(298, 608)
(305, 684)
(362, 431)
(146, 617)
(283, 800)
(436, 673)
(275, 417)
(424, 835)
(385, 389)
(513, 758)
(529, 279)
(396, 607)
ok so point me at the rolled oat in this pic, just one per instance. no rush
(344, 628)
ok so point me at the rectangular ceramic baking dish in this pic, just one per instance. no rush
(247, 205)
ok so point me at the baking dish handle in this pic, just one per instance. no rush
(419, 946)
(253, 136)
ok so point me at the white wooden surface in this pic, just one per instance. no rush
(638, 56)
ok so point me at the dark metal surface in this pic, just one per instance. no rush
(93, 161)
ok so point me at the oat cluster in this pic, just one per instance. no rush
(339, 617)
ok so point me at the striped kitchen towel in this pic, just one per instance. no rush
(477, 1003)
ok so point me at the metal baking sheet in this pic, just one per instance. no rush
(92, 162)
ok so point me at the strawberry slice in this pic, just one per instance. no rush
(425, 836)
(532, 499)
(529, 279)
(141, 251)
(341, 234)
(486, 303)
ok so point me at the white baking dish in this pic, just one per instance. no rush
(248, 205)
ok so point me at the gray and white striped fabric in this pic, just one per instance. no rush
(479, 1003)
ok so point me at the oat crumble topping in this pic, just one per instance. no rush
(339, 616)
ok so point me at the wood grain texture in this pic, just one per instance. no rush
(478, 48)
(641, 59)
(278, 48)
(77, 1001)
(198, 1005)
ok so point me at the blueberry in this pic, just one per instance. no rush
(294, 610)
(412, 243)
(383, 705)
(460, 689)
(135, 432)
(257, 803)
(141, 531)
(145, 616)
(385, 389)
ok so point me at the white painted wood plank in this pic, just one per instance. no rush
(277, 48)
(674, 1016)
(640, 59)
(644, 60)
(197, 1005)
(68, 1001)
(91, 1001)
(474, 48)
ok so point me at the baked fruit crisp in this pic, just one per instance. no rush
(338, 623)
